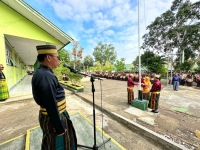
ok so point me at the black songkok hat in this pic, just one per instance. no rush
(46, 49)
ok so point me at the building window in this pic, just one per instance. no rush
(9, 55)
(16, 60)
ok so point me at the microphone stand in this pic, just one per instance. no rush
(92, 79)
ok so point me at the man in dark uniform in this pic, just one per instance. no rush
(58, 130)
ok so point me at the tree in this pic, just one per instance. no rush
(64, 55)
(153, 62)
(98, 66)
(198, 68)
(186, 66)
(88, 61)
(75, 78)
(120, 65)
(108, 67)
(177, 28)
(79, 65)
(77, 54)
(136, 64)
(103, 52)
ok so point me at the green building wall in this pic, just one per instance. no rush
(14, 24)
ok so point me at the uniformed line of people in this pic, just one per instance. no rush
(124, 75)
(187, 79)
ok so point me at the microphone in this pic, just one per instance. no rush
(70, 68)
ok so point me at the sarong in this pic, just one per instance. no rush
(198, 83)
(51, 141)
(146, 96)
(4, 93)
(130, 95)
(154, 100)
(182, 82)
(189, 84)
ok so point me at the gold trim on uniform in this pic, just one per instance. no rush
(156, 92)
(130, 88)
(49, 51)
(61, 107)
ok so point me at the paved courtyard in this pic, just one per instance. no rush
(177, 120)
(179, 111)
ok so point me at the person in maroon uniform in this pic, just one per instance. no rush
(155, 94)
(130, 88)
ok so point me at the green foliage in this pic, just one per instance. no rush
(176, 28)
(103, 52)
(197, 69)
(154, 63)
(74, 78)
(79, 66)
(198, 63)
(88, 61)
(120, 66)
(186, 66)
(98, 66)
(92, 68)
(61, 69)
(108, 67)
(136, 64)
(64, 55)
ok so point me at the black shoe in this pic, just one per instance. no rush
(152, 110)
(155, 111)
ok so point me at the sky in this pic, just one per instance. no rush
(108, 21)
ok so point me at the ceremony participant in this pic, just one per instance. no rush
(152, 77)
(198, 80)
(176, 81)
(4, 93)
(155, 94)
(189, 79)
(146, 88)
(136, 77)
(58, 130)
(183, 77)
(130, 88)
(64, 77)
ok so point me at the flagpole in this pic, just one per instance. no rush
(139, 44)
(140, 76)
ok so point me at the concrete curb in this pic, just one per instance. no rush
(135, 127)
(168, 144)
(17, 99)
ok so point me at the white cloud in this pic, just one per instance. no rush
(108, 21)
(109, 32)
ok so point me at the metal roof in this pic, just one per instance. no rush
(31, 14)
(27, 11)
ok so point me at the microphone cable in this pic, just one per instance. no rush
(102, 113)
(101, 108)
